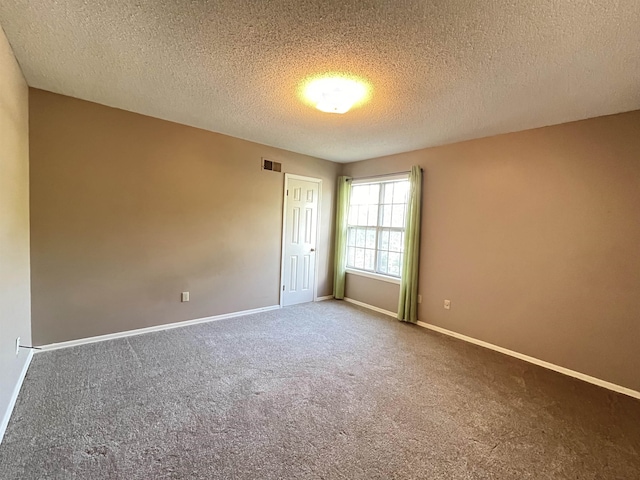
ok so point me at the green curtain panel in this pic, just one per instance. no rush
(342, 212)
(408, 302)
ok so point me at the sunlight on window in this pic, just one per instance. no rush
(375, 226)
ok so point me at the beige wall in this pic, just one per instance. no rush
(372, 291)
(535, 239)
(15, 310)
(128, 211)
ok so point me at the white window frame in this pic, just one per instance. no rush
(375, 276)
(368, 273)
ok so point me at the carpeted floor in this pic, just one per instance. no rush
(317, 391)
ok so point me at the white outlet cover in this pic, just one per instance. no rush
(447, 304)
(185, 296)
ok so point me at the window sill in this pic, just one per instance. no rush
(375, 276)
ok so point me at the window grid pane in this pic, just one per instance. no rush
(375, 227)
(351, 237)
(362, 214)
(351, 256)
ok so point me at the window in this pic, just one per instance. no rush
(375, 226)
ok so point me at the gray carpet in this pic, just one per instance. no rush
(317, 391)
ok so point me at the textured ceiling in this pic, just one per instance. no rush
(441, 71)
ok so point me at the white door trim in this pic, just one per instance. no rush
(287, 176)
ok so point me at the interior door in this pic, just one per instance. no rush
(299, 259)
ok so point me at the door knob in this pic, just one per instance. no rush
(313, 249)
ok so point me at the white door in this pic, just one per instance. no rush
(299, 250)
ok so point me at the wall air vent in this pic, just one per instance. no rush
(269, 165)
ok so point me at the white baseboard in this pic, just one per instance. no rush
(535, 361)
(156, 328)
(322, 299)
(541, 363)
(14, 396)
(371, 307)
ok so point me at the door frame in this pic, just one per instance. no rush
(288, 176)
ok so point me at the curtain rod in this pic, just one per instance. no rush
(383, 175)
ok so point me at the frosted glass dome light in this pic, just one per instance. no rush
(335, 94)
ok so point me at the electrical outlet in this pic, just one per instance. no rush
(447, 304)
(419, 298)
(185, 297)
(17, 346)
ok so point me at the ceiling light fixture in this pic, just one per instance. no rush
(335, 94)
